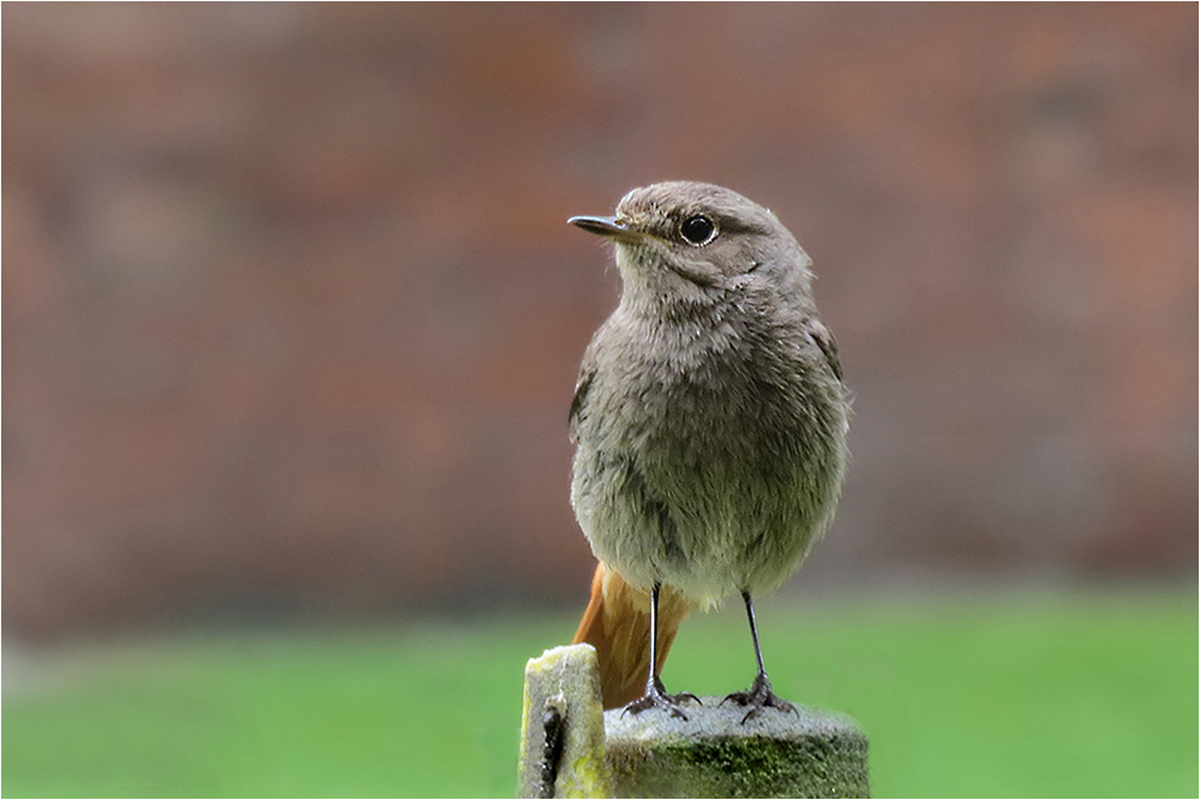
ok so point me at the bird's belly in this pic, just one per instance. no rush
(709, 523)
(719, 477)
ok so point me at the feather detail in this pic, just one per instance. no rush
(617, 624)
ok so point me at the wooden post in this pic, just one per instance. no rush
(570, 748)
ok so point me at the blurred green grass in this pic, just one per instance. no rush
(1012, 695)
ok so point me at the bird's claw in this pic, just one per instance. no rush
(758, 697)
(656, 697)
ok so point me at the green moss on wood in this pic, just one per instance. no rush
(810, 754)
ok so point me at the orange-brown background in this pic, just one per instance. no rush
(291, 316)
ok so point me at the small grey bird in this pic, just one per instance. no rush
(709, 423)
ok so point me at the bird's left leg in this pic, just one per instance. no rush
(759, 695)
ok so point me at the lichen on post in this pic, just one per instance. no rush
(562, 726)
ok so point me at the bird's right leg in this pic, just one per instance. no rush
(656, 695)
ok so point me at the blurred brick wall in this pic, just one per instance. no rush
(291, 316)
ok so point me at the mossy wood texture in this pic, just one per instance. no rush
(810, 753)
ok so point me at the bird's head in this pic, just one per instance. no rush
(688, 240)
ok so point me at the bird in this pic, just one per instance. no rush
(710, 424)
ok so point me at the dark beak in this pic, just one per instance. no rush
(613, 227)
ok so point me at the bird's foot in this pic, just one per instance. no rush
(656, 697)
(758, 697)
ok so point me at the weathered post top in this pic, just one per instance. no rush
(566, 752)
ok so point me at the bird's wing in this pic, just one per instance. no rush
(821, 336)
(587, 373)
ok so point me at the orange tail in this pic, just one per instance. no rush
(617, 624)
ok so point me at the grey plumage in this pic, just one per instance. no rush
(710, 417)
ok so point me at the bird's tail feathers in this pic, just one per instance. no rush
(617, 624)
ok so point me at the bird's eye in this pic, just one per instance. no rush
(698, 230)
